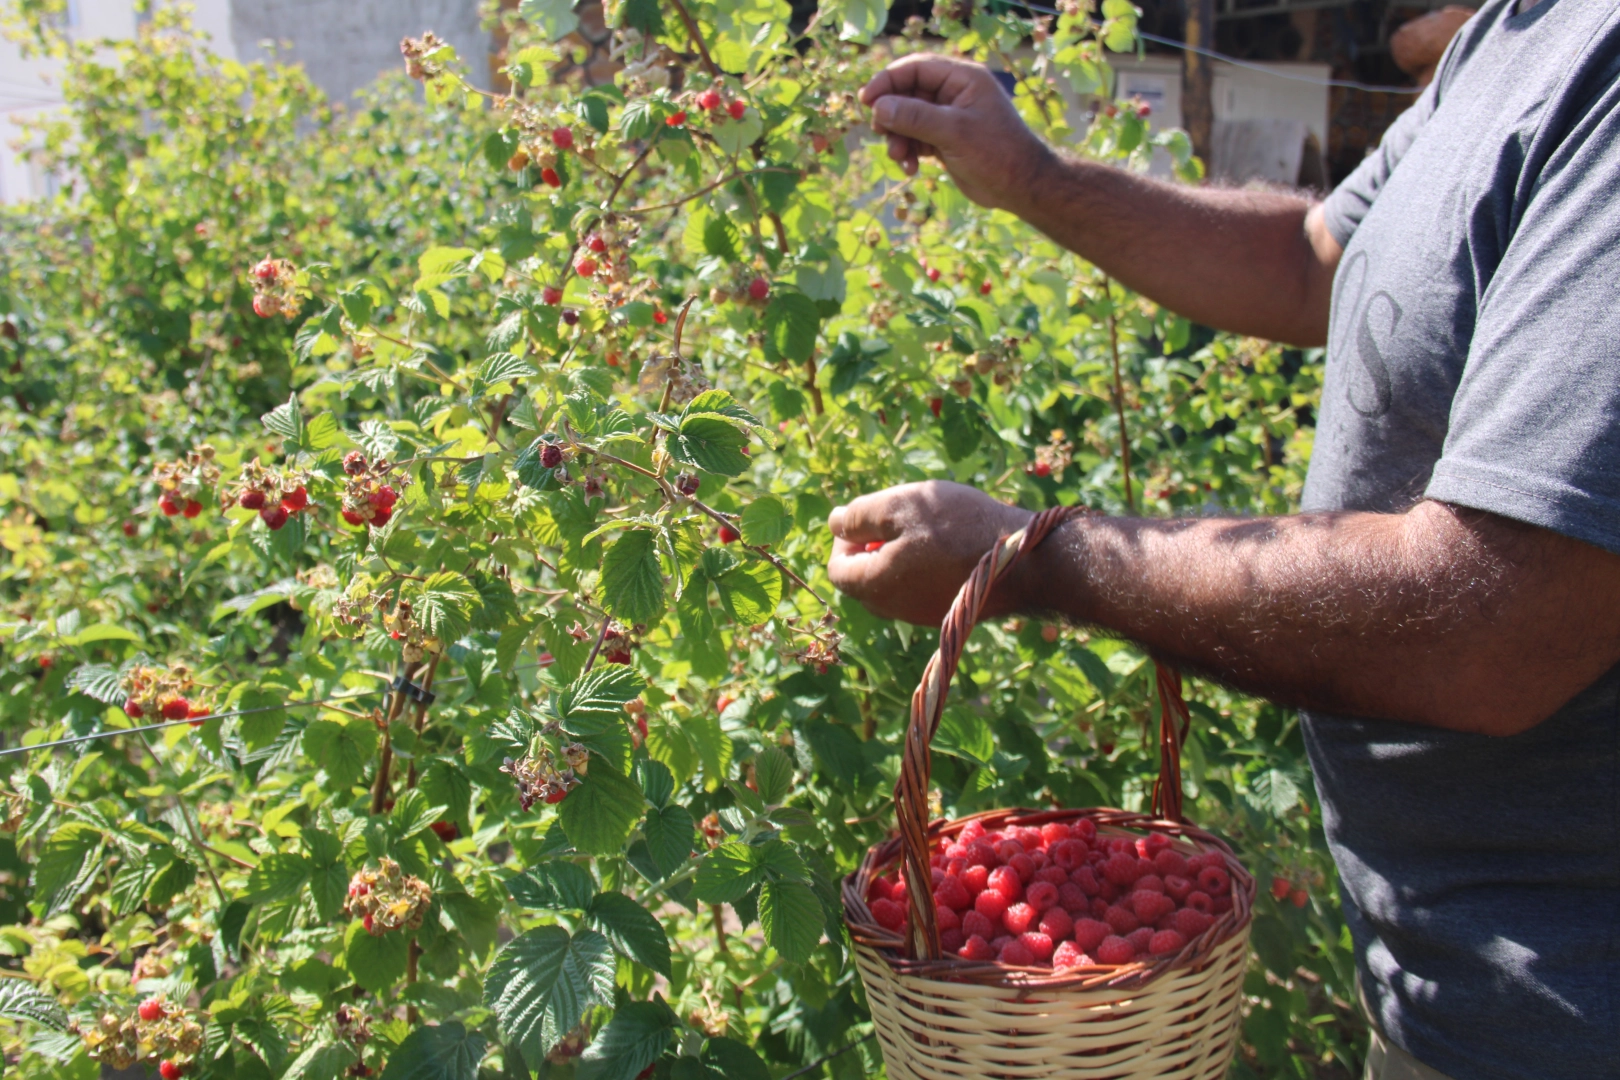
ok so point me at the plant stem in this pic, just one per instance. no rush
(385, 762)
(601, 636)
(697, 38)
(1119, 396)
(421, 722)
(700, 192)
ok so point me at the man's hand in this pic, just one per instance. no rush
(958, 112)
(933, 533)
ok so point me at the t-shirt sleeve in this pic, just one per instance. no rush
(1350, 201)
(1535, 424)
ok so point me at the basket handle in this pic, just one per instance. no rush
(928, 705)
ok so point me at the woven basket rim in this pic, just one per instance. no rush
(889, 945)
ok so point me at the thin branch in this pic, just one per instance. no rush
(697, 38)
(618, 184)
(700, 192)
(601, 636)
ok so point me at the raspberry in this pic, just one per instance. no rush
(708, 100)
(952, 893)
(1122, 869)
(1072, 898)
(1069, 854)
(151, 1009)
(167, 504)
(888, 915)
(1140, 937)
(132, 708)
(1052, 874)
(881, 888)
(383, 498)
(1042, 895)
(296, 499)
(1149, 883)
(549, 177)
(1214, 880)
(1220, 905)
(1087, 880)
(1177, 888)
(1208, 858)
(933, 273)
(1004, 880)
(991, 904)
(935, 406)
(984, 288)
(676, 119)
(1199, 901)
(1029, 839)
(175, 708)
(1170, 862)
(274, 517)
(446, 831)
(129, 528)
(1039, 945)
(898, 891)
(976, 925)
(759, 288)
(1300, 898)
(562, 138)
(354, 463)
(1165, 942)
(976, 948)
(1115, 950)
(1089, 933)
(1006, 849)
(973, 830)
(1122, 919)
(946, 919)
(1055, 924)
(570, 317)
(975, 878)
(170, 1070)
(192, 508)
(1150, 907)
(1084, 829)
(687, 484)
(982, 854)
(951, 940)
(1191, 922)
(1280, 888)
(1151, 844)
(659, 317)
(1016, 954)
(585, 267)
(197, 714)
(1070, 955)
(1054, 831)
(728, 535)
(266, 270)
(596, 243)
(551, 456)
(1099, 907)
(1020, 917)
(266, 307)
(737, 109)
(956, 850)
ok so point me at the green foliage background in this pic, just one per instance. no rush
(218, 857)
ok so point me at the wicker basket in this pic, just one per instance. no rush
(941, 1017)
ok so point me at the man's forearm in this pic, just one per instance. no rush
(1438, 616)
(1240, 260)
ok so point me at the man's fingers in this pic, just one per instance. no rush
(914, 118)
(865, 519)
(921, 74)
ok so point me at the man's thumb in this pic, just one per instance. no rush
(913, 118)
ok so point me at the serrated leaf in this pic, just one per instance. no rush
(554, 19)
(322, 1061)
(773, 774)
(766, 521)
(376, 962)
(668, 832)
(599, 814)
(732, 1060)
(726, 874)
(286, 420)
(413, 812)
(68, 864)
(792, 919)
(342, 748)
(637, 1036)
(711, 443)
(720, 238)
(632, 930)
(446, 1051)
(276, 878)
(960, 423)
(1274, 792)
(97, 681)
(444, 605)
(656, 782)
(722, 403)
(21, 1000)
(963, 733)
(750, 592)
(439, 265)
(598, 697)
(320, 433)
(554, 885)
(792, 324)
(504, 367)
(542, 981)
(377, 439)
(632, 580)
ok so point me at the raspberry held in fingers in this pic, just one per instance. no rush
(873, 545)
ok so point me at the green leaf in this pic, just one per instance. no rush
(554, 885)
(727, 874)
(862, 20)
(637, 1036)
(413, 812)
(478, 920)
(632, 580)
(444, 605)
(542, 981)
(504, 367)
(773, 774)
(599, 814)
(101, 632)
(286, 420)
(97, 681)
(342, 748)
(438, 266)
(642, 15)
(598, 697)
(963, 733)
(656, 782)
(1274, 792)
(445, 1051)
(21, 1000)
(960, 422)
(322, 1061)
(766, 521)
(720, 238)
(276, 878)
(708, 442)
(553, 18)
(668, 832)
(792, 919)
(750, 592)
(67, 865)
(321, 433)
(792, 324)
(632, 930)
(375, 962)
(733, 1060)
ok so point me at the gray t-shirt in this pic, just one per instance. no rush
(1474, 358)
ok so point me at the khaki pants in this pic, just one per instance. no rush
(1385, 1060)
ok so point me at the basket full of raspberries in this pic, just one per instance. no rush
(1076, 943)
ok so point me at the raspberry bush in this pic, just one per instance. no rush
(503, 427)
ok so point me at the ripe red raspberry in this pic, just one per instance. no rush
(295, 500)
(1089, 933)
(1280, 888)
(354, 463)
(1004, 880)
(549, 177)
(991, 904)
(1149, 883)
(1073, 898)
(759, 288)
(1022, 865)
(1140, 937)
(737, 109)
(198, 714)
(950, 941)
(1122, 869)
(1115, 950)
(1016, 954)
(266, 270)
(596, 243)
(976, 948)
(1166, 941)
(728, 535)
(1006, 848)
(1121, 919)
(251, 499)
(1199, 901)
(1085, 830)
(1055, 923)
(933, 273)
(1301, 898)
(551, 296)
(973, 830)
(976, 878)
(1177, 888)
(1170, 862)
(359, 888)
(1070, 955)
(170, 1070)
(709, 99)
(898, 891)
(383, 498)
(881, 887)
(353, 518)
(984, 288)
(1053, 874)
(1039, 945)
(557, 795)
(1191, 922)
(820, 143)
(570, 317)
(151, 1009)
(167, 504)
(1041, 895)
(1208, 858)
(1150, 907)
(585, 267)
(1068, 854)
(1019, 917)
(983, 854)
(129, 528)
(192, 508)
(175, 708)
(1055, 831)
(1042, 469)
(975, 924)
(888, 914)
(132, 709)
(274, 517)
(935, 405)
(368, 923)
(951, 893)
(1150, 845)
(445, 830)
(1214, 880)
(266, 306)
(676, 119)
(562, 138)
(946, 919)
(1086, 878)
(615, 656)
(659, 317)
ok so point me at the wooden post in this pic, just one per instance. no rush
(1198, 81)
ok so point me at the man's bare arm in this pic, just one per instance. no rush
(1253, 262)
(1440, 616)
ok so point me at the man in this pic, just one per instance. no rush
(1446, 611)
